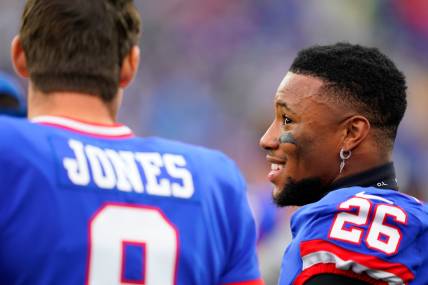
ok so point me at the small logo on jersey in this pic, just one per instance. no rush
(373, 197)
(127, 171)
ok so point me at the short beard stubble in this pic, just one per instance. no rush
(302, 192)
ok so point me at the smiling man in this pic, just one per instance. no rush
(336, 117)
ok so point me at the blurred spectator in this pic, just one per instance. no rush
(12, 100)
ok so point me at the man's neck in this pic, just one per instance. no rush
(361, 161)
(80, 106)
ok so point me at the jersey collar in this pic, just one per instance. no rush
(382, 177)
(87, 128)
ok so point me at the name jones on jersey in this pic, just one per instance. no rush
(119, 169)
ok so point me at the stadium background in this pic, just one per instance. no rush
(210, 70)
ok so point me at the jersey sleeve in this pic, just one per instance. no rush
(242, 266)
(365, 238)
(10, 175)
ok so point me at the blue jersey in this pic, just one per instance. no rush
(93, 204)
(375, 235)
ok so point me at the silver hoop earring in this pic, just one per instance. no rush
(344, 155)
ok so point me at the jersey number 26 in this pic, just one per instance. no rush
(349, 224)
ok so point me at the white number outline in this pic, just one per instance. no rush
(121, 281)
(342, 218)
(337, 229)
(396, 219)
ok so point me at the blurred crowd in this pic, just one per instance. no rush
(210, 69)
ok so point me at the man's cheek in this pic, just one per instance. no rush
(287, 138)
(288, 145)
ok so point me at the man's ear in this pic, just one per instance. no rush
(129, 67)
(356, 130)
(19, 60)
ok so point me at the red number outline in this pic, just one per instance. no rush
(348, 210)
(126, 243)
(126, 205)
(388, 225)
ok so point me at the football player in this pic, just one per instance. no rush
(336, 117)
(85, 201)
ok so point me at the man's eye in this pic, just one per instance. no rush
(286, 120)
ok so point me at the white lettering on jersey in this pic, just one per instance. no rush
(171, 162)
(77, 167)
(101, 167)
(127, 174)
(115, 169)
(152, 163)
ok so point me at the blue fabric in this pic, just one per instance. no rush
(312, 225)
(45, 217)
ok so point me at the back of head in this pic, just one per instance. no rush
(78, 45)
(363, 79)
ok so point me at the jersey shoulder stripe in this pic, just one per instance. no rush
(367, 267)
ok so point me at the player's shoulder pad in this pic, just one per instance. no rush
(8, 122)
(10, 128)
(326, 209)
(327, 205)
(362, 230)
(13, 134)
(375, 195)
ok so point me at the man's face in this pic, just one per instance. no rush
(303, 141)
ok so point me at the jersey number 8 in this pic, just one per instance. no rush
(349, 226)
(114, 226)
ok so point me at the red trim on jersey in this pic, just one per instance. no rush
(395, 219)
(353, 227)
(252, 282)
(323, 268)
(128, 205)
(369, 261)
(88, 133)
(90, 123)
(123, 279)
(111, 131)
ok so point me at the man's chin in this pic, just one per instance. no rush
(276, 192)
(299, 193)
